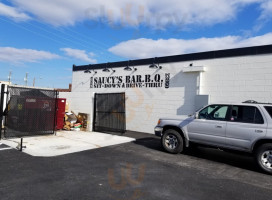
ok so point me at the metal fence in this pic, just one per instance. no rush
(29, 112)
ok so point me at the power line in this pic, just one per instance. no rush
(57, 41)
(98, 43)
(82, 35)
(65, 38)
(22, 27)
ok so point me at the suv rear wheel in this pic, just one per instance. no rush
(264, 157)
(172, 141)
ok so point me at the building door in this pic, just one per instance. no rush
(109, 113)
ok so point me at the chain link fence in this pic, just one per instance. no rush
(29, 112)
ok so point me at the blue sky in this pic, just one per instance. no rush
(45, 38)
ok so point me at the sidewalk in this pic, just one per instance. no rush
(66, 142)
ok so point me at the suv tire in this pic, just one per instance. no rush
(172, 141)
(263, 157)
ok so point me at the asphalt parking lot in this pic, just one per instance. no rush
(136, 170)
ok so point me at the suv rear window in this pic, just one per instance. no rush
(269, 110)
(246, 114)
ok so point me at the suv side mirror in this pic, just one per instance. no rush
(196, 115)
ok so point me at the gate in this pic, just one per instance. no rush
(109, 112)
(29, 111)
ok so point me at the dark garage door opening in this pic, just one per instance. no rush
(109, 112)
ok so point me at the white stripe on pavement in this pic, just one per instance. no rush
(5, 148)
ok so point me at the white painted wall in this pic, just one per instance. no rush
(225, 80)
(238, 79)
(146, 105)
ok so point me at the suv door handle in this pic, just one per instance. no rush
(218, 126)
(258, 131)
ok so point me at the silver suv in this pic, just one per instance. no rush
(243, 127)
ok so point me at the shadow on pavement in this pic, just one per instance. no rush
(244, 161)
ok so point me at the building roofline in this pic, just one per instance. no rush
(245, 51)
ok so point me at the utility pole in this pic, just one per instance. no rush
(9, 77)
(25, 79)
(34, 82)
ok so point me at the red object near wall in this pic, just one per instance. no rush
(60, 113)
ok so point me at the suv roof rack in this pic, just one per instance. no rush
(250, 101)
(255, 102)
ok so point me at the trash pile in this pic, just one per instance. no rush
(75, 122)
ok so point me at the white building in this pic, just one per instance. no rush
(183, 84)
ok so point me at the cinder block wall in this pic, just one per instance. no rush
(225, 80)
(144, 106)
(238, 79)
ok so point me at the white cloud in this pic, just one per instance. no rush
(13, 55)
(145, 48)
(80, 55)
(13, 13)
(152, 13)
(92, 54)
(266, 7)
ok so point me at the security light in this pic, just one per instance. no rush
(128, 68)
(87, 71)
(154, 65)
(106, 70)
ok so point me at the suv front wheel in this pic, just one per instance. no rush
(172, 141)
(264, 157)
